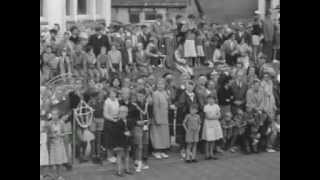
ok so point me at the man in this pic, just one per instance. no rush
(75, 39)
(98, 40)
(128, 59)
(268, 33)
(239, 90)
(144, 37)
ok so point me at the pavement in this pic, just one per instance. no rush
(264, 166)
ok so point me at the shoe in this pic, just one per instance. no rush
(271, 150)
(188, 161)
(157, 155)
(232, 150)
(207, 158)
(145, 166)
(194, 161)
(219, 150)
(164, 155)
(214, 158)
(120, 174)
(183, 155)
(128, 172)
(112, 160)
(139, 166)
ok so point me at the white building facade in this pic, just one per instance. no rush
(72, 11)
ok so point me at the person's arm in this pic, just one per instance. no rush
(98, 62)
(156, 107)
(179, 58)
(184, 124)
(110, 62)
(120, 61)
(106, 111)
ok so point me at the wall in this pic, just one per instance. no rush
(225, 11)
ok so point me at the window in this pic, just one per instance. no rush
(134, 16)
(41, 8)
(68, 7)
(82, 7)
(150, 15)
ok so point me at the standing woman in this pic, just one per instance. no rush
(159, 130)
(268, 102)
(110, 113)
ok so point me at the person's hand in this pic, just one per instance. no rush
(140, 123)
(127, 133)
(173, 107)
(113, 70)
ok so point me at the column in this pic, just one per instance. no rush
(107, 11)
(55, 12)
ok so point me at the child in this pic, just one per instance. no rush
(103, 63)
(212, 129)
(191, 125)
(227, 125)
(44, 154)
(239, 129)
(123, 141)
(58, 155)
(140, 112)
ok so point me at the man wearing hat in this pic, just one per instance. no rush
(98, 40)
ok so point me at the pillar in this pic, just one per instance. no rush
(55, 12)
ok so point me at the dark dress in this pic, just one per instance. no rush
(117, 136)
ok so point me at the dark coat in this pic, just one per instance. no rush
(97, 43)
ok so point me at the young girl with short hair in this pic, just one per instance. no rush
(212, 130)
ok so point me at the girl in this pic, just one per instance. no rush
(190, 51)
(211, 129)
(58, 155)
(110, 114)
(65, 63)
(122, 135)
(191, 125)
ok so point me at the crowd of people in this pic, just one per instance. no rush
(137, 112)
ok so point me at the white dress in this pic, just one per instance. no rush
(44, 154)
(212, 130)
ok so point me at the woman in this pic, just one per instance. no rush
(143, 63)
(110, 113)
(115, 59)
(159, 130)
(180, 62)
(268, 103)
(251, 75)
(225, 96)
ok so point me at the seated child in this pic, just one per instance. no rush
(227, 126)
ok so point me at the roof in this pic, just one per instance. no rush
(149, 3)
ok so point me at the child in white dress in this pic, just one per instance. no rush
(212, 130)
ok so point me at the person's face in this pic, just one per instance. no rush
(252, 71)
(189, 87)
(211, 85)
(140, 47)
(49, 50)
(193, 111)
(112, 95)
(116, 83)
(114, 47)
(54, 115)
(103, 50)
(211, 101)
(266, 77)
(125, 95)
(161, 85)
(66, 36)
(140, 97)
(228, 117)
(140, 83)
(256, 86)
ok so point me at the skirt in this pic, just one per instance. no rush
(190, 49)
(192, 136)
(212, 130)
(200, 51)
(58, 154)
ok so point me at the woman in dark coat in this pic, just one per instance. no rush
(184, 101)
(225, 95)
